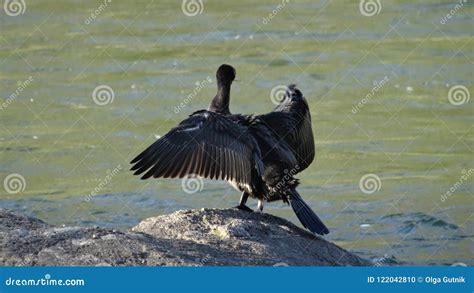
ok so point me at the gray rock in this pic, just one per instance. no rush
(189, 238)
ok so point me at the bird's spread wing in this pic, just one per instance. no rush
(296, 131)
(206, 144)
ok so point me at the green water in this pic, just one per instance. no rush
(151, 55)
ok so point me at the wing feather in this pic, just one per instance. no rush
(206, 144)
(296, 131)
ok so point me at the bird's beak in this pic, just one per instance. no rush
(237, 80)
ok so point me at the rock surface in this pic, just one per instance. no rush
(189, 238)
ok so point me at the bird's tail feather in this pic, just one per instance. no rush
(306, 215)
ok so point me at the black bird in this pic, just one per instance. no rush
(225, 75)
(258, 155)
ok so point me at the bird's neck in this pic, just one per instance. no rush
(220, 103)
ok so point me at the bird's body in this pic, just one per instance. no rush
(258, 155)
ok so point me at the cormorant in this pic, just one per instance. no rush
(257, 154)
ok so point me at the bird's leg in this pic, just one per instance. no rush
(243, 200)
(260, 206)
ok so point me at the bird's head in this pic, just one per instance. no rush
(225, 73)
